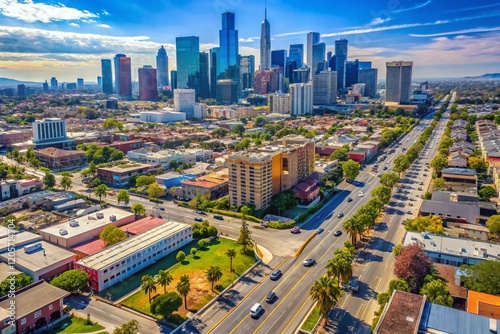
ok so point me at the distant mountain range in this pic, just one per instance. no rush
(489, 76)
(13, 82)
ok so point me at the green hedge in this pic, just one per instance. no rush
(282, 226)
(235, 215)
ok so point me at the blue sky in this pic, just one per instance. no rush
(67, 38)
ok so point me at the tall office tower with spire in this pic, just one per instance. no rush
(297, 54)
(162, 67)
(398, 81)
(187, 53)
(340, 62)
(312, 38)
(116, 62)
(265, 43)
(228, 41)
(107, 76)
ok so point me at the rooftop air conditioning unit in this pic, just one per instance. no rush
(74, 223)
(112, 218)
(91, 217)
(62, 231)
(99, 215)
(32, 248)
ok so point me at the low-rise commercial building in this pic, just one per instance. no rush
(167, 115)
(459, 175)
(214, 184)
(119, 175)
(15, 188)
(125, 258)
(55, 158)
(85, 228)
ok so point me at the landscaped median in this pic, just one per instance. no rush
(301, 249)
(312, 319)
(214, 254)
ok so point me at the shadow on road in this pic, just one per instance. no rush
(380, 227)
(380, 245)
(229, 300)
(342, 322)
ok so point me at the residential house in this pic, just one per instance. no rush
(457, 159)
(215, 184)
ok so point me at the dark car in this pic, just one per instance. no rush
(340, 215)
(275, 275)
(308, 262)
(201, 212)
(353, 285)
(162, 209)
(270, 297)
(319, 230)
(349, 199)
(198, 219)
(218, 217)
(337, 233)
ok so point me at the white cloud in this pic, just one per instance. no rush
(105, 12)
(29, 11)
(378, 20)
(103, 26)
(418, 6)
(292, 33)
(74, 24)
(248, 40)
(457, 32)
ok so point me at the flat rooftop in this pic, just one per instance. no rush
(45, 255)
(20, 239)
(125, 168)
(86, 223)
(6, 271)
(459, 171)
(454, 246)
(132, 245)
(90, 248)
(142, 225)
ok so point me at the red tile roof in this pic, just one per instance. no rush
(57, 153)
(90, 248)
(401, 314)
(447, 273)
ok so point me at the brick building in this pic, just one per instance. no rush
(55, 158)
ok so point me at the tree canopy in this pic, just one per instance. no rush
(112, 235)
(433, 224)
(131, 327)
(483, 277)
(412, 265)
(351, 169)
(71, 280)
(166, 304)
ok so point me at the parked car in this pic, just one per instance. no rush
(255, 310)
(337, 233)
(295, 230)
(308, 262)
(270, 297)
(361, 194)
(264, 224)
(218, 217)
(275, 275)
(340, 215)
(409, 212)
(198, 219)
(353, 285)
(201, 212)
(162, 209)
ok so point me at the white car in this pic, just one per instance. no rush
(361, 194)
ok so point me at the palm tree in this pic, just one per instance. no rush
(231, 254)
(148, 284)
(353, 227)
(325, 292)
(213, 275)
(100, 191)
(163, 278)
(340, 266)
(183, 288)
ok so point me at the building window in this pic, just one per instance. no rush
(6, 321)
(105, 281)
(23, 321)
(112, 277)
(51, 307)
(105, 271)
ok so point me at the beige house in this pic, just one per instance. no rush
(457, 159)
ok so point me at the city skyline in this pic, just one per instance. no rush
(40, 40)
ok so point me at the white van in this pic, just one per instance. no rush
(255, 310)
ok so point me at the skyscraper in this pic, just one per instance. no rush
(312, 38)
(214, 56)
(125, 77)
(173, 79)
(148, 85)
(53, 83)
(228, 40)
(204, 76)
(79, 83)
(351, 73)
(265, 43)
(107, 76)
(325, 88)
(45, 86)
(99, 81)
(116, 61)
(302, 98)
(247, 68)
(318, 58)
(297, 54)
(398, 81)
(340, 62)
(278, 58)
(162, 67)
(188, 62)
(365, 64)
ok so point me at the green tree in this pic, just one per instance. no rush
(238, 129)
(166, 304)
(260, 121)
(111, 123)
(131, 327)
(437, 292)
(155, 191)
(100, 191)
(123, 196)
(397, 249)
(351, 169)
(214, 273)
(202, 243)
(20, 281)
(164, 278)
(138, 209)
(433, 224)
(382, 193)
(439, 162)
(483, 277)
(112, 235)
(340, 154)
(71, 280)
(181, 256)
(389, 179)
(144, 180)
(183, 288)
(279, 202)
(66, 182)
(401, 164)
(438, 183)
(49, 180)
(245, 237)
(354, 228)
(478, 164)
(486, 192)
(325, 291)
(148, 285)
(193, 251)
(231, 254)
(493, 225)
(398, 284)
(340, 266)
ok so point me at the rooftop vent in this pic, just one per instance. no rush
(32, 248)
(62, 231)
(112, 218)
(99, 215)
(73, 223)
(410, 319)
(91, 217)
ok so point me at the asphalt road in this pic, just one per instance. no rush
(354, 313)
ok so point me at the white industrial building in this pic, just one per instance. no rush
(117, 262)
(167, 115)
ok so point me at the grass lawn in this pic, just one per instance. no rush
(75, 325)
(311, 320)
(195, 267)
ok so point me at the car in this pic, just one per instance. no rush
(319, 230)
(420, 188)
(309, 262)
(295, 230)
(340, 215)
(421, 183)
(385, 168)
(159, 216)
(275, 274)
(264, 224)
(409, 212)
(201, 212)
(353, 285)
(162, 209)
(425, 174)
(361, 194)
(255, 310)
(337, 233)
(349, 199)
(218, 217)
(270, 297)
(198, 219)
